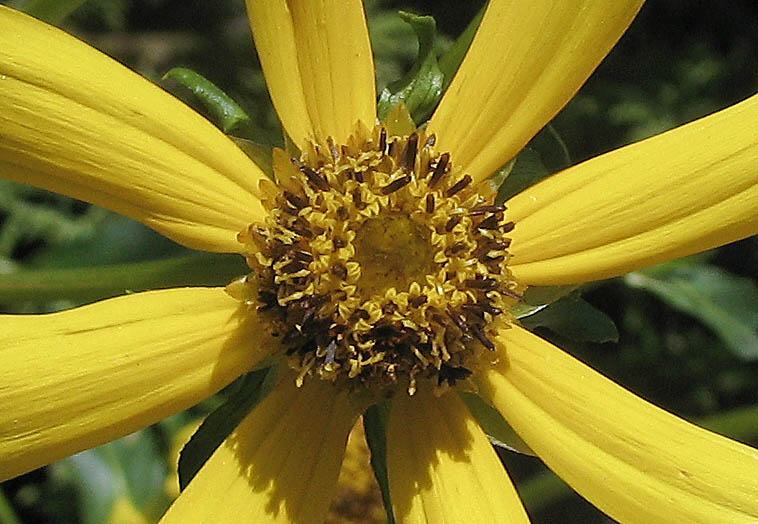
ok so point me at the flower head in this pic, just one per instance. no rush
(381, 268)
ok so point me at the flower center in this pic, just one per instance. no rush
(379, 264)
(393, 251)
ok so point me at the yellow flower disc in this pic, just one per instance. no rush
(379, 263)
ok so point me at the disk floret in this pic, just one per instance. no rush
(379, 264)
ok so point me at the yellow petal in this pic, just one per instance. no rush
(634, 461)
(684, 191)
(527, 60)
(442, 468)
(76, 379)
(74, 121)
(279, 466)
(316, 56)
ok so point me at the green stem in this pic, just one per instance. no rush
(7, 515)
(88, 283)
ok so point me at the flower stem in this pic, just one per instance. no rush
(91, 283)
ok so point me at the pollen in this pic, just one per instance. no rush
(380, 264)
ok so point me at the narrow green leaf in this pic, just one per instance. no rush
(421, 88)
(91, 283)
(261, 154)
(251, 388)
(51, 11)
(576, 319)
(227, 114)
(726, 303)
(500, 433)
(375, 421)
(451, 59)
(538, 298)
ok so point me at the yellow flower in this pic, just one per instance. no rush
(75, 122)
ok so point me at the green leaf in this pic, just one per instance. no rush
(227, 114)
(51, 11)
(500, 433)
(93, 283)
(35, 215)
(375, 421)
(544, 155)
(451, 59)
(251, 388)
(421, 88)
(724, 302)
(576, 319)
(129, 467)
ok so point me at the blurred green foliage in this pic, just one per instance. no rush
(680, 60)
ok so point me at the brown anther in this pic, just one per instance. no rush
(481, 283)
(489, 308)
(295, 200)
(459, 320)
(293, 267)
(267, 300)
(301, 227)
(409, 156)
(479, 333)
(455, 248)
(359, 203)
(483, 210)
(396, 185)
(454, 221)
(362, 314)
(508, 227)
(316, 180)
(430, 203)
(338, 243)
(418, 301)
(339, 271)
(290, 210)
(459, 186)
(439, 170)
(491, 222)
(383, 140)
